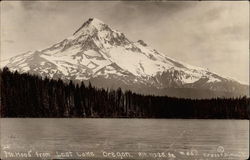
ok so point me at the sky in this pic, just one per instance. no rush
(208, 34)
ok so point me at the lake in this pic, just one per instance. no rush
(124, 139)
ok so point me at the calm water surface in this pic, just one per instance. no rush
(125, 139)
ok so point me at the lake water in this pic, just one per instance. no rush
(124, 139)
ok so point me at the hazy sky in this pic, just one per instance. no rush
(213, 35)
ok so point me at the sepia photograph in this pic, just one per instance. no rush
(124, 80)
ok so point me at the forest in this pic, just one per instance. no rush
(25, 95)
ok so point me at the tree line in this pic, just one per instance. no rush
(25, 95)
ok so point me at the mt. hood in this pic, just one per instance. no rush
(107, 58)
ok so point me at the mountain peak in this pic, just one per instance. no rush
(95, 21)
(92, 23)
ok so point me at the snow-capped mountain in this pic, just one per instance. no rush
(107, 58)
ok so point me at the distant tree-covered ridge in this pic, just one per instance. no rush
(25, 95)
